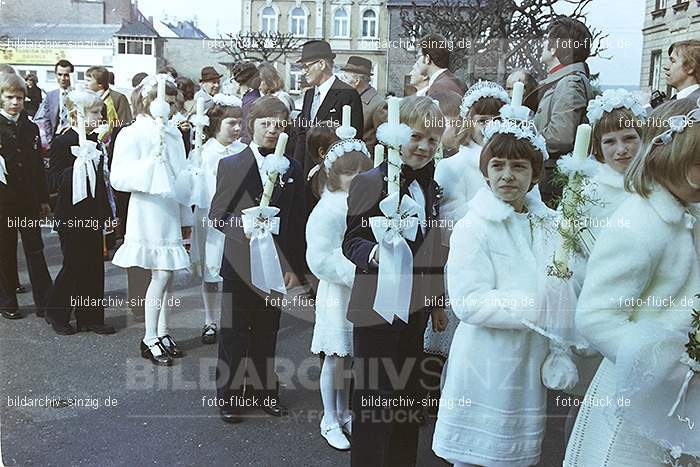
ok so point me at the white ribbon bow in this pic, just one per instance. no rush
(3, 170)
(395, 278)
(265, 269)
(86, 155)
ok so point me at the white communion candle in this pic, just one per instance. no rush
(80, 116)
(161, 89)
(378, 155)
(272, 176)
(393, 117)
(346, 116)
(518, 92)
(393, 171)
(200, 106)
(583, 140)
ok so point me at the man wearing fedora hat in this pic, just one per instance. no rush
(357, 72)
(247, 76)
(324, 101)
(208, 86)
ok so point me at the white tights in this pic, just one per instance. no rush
(156, 305)
(335, 388)
(211, 297)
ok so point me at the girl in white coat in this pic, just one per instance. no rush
(223, 131)
(492, 410)
(641, 276)
(332, 331)
(149, 162)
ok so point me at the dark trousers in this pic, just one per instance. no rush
(36, 263)
(387, 366)
(247, 343)
(80, 281)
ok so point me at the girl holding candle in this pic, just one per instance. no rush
(249, 316)
(149, 167)
(626, 308)
(495, 270)
(224, 131)
(79, 223)
(332, 331)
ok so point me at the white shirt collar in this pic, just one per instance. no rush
(324, 87)
(435, 76)
(13, 118)
(422, 92)
(687, 91)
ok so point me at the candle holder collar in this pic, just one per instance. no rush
(394, 135)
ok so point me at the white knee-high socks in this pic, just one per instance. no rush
(211, 298)
(155, 306)
(335, 388)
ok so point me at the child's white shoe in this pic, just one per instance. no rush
(347, 425)
(334, 436)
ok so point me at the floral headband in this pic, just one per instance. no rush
(227, 100)
(678, 124)
(521, 129)
(480, 90)
(151, 81)
(342, 147)
(614, 99)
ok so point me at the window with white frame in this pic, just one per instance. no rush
(369, 24)
(341, 23)
(135, 45)
(297, 24)
(295, 74)
(655, 70)
(268, 23)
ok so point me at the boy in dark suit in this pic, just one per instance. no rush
(249, 325)
(387, 436)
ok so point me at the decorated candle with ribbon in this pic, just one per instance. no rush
(583, 141)
(199, 128)
(378, 155)
(161, 89)
(394, 166)
(80, 118)
(272, 176)
(346, 115)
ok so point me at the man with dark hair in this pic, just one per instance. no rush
(565, 93)
(52, 116)
(683, 69)
(324, 101)
(116, 104)
(137, 78)
(433, 60)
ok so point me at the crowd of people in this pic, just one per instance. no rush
(168, 177)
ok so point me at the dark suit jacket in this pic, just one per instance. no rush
(61, 181)
(331, 108)
(366, 191)
(122, 106)
(238, 187)
(26, 176)
(446, 81)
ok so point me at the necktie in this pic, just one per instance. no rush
(315, 104)
(423, 176)
(265, 151)
(63, 121)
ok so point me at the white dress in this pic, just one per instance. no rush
(207, 242)
(493, 403)
(606, 190)
(324, 236)
(156, 181)
(649, 250)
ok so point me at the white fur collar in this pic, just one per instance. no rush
(668, 208)
(607, 176)
(470, 154)
(489, 207)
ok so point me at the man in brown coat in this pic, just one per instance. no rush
(357, 73)
(433, 59)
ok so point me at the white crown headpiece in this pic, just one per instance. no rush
(678, 124)
(341, 147)
(612, 99)
(480, 90)
(151, 81)
(521, 129)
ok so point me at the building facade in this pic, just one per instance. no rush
(352, 27)
(665, 22)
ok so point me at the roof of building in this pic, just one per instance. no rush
(60, 32)
(137, 28)
(186, 30)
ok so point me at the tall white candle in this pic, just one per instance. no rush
(346, 116)
(272, 176)
(378, 155)
(393, 117)
(583, 140)
(200, 106)
(393, 171)
(80, 117)
(161, 89)
(518, 92)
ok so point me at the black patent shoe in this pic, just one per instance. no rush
(275, 408)
(209, 334)
(97, 328)
(163, 359)
(168, 343)
(230, 415)
(11, 314)
(21, 289)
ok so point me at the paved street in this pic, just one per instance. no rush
(138, 414)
